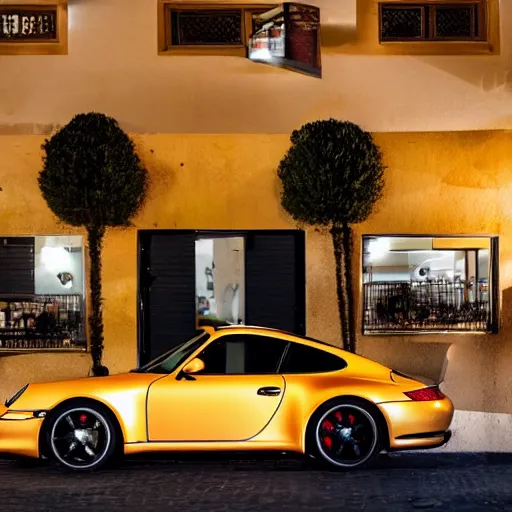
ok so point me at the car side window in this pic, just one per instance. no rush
(242, 354)
(305, 359)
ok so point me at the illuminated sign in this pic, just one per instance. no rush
(27, 24)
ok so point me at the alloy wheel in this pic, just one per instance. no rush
(346, 435)
(80, 438)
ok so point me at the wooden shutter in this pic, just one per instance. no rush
(17, 265)
(275, 280)
(167, 291)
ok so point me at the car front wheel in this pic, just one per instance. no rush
(346, 434)
(82, 437)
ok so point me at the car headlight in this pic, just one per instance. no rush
(16, 395)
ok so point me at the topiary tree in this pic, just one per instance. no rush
(332, 176)
(93, 178)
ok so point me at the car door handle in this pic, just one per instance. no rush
(269, 391)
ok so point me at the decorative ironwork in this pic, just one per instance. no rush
(27, 24)
(426, 306)
(454, 22)
(42, 322)
(401, 22)
(206, 28)
(429, 22)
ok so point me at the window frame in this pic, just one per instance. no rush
(57, 46)
(165, 46)
(217, 335)
(369, 30)
(203, 336)
(222, 338)
(285, 355)
(432, 7)
(494, 287)
(27, 343)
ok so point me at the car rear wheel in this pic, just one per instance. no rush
(346, 434)
(82, 437)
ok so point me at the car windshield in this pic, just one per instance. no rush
(170, 360)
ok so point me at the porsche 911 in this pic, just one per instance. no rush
(231, 388)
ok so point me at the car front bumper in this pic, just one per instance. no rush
(418, 425)
(19, 433)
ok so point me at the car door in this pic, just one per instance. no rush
(232, 399)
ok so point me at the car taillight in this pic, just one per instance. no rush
(425, 394)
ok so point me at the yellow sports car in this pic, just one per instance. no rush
(230, 389)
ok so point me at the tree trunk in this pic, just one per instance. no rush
(95, 236)
(342, 244)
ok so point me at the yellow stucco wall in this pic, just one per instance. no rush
(437, 183)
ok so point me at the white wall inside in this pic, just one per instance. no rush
(229, 278)
(56, 254)
(204, 259)
(225, 256)
(402, 259)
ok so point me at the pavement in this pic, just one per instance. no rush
(399, 482)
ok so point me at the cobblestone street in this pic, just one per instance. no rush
(404, 482)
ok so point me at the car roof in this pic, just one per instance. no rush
(349, 357)
(260, 329)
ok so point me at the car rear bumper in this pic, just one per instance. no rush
(423, 441)
(19, 434)
(418, 425)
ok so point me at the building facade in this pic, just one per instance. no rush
(431, 265)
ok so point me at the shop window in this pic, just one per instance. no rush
(429, 284)
(41, 293)
(33, 27)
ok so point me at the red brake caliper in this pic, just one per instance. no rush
(83, 418)
(351, 421)
(327, 427)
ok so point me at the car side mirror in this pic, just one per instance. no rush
(194, 366)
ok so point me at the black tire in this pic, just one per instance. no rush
(364, 436)
(82, 436)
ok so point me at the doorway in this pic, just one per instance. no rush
(242, 277)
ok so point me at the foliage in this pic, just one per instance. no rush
(332, 176)
(93, 178)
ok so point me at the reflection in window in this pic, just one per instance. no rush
(305, 359)
(41, 292)
(243, 354)
(416, 283)
(58, 265)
